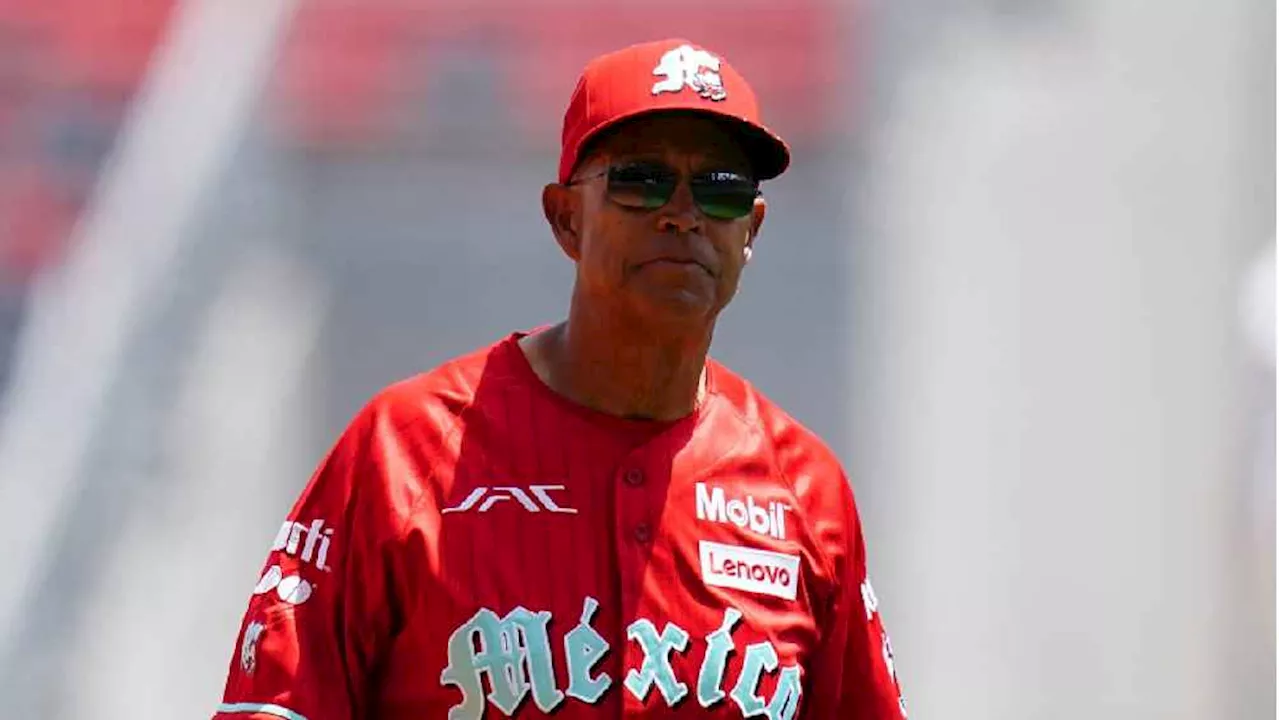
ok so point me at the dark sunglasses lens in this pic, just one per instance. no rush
(724, 195)
(641, 186)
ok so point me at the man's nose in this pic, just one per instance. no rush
(681, 213)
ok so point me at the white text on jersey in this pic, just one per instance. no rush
(768, 520)
(316, 545)
(536, 499)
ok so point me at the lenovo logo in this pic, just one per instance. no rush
(536, 498)
(749, 569)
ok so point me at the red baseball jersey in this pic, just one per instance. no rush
(476, 545)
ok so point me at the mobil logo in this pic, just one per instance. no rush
(712, 503)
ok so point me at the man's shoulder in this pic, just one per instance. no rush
(803, 459)
(791, 439)
(441, 395)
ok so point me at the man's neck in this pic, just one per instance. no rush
(623, 366)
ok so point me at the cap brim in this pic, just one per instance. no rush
(768, 153)
(765, 150)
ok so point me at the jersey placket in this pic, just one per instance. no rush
(640, 483)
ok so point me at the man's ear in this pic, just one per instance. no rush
(562, 207)
(757, 219)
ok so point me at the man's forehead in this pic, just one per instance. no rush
(685, 134)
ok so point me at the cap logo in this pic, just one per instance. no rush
(689, 67)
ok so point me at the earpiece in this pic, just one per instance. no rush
(746, 254)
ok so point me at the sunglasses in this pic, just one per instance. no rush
(719, 194)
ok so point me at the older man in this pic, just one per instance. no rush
(592, 520)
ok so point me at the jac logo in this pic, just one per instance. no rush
(536, 498)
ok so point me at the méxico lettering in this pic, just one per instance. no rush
(513, 653)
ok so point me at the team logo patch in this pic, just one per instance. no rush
(756, 571)
(687, 66)
(249, 646)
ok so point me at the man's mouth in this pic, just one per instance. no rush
(680, 262)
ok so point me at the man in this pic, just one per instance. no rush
(593, 520)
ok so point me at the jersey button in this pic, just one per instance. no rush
(633, 477)
(642, 533)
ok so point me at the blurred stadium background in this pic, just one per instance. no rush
(1021, 276)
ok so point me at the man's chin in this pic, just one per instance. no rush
(677, 305)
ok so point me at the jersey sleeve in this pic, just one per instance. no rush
(853, 673)
(328, 597)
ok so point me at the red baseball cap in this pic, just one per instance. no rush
(665, 76)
